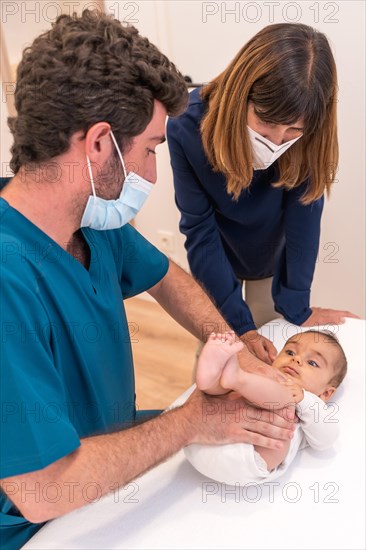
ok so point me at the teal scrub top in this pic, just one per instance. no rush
(66, 359)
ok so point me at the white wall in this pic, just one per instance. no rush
(201, 38)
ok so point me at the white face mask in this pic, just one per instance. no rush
(104, 214)
(265, 152)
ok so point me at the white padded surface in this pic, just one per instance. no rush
(318, 503)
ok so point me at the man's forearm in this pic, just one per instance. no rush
(185, 300)
(106, 461)
(112, 460)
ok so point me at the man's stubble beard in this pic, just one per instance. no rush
(109, 180)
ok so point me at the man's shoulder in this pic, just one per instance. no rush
(3, 182)
(119, 238)
(128, 244)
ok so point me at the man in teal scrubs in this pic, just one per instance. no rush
(92, 99)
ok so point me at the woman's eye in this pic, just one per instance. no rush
(313, 364)
(269, 124)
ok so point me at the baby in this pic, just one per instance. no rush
(313, 365)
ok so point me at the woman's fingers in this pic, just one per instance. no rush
(323, 316)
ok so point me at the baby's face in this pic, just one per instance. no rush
(308, 359)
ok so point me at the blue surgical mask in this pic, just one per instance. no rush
(104, 214)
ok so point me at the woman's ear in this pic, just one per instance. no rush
(327, 393)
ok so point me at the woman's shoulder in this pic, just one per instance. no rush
(195, 97)
(193, 114)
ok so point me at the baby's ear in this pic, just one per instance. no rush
(327, 393)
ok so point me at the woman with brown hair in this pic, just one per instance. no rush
(252, 157)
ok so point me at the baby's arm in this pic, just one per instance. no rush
(319, 423)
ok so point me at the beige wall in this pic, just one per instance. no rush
(201, 38)
(21, 22)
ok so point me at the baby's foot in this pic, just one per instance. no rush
(232, 375)
(215, 354)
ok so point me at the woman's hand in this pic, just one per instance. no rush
(260, 346)
(322, 316)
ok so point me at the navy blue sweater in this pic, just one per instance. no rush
(267, 232)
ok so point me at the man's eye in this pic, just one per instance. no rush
(313, 364)
(151, 151)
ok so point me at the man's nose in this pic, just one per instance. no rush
(151, 172)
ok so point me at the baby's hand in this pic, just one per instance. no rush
(296, 390)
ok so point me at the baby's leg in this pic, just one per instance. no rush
(263, 392)
(218, 371)
(215, 354)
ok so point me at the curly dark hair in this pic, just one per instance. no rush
(88, 69)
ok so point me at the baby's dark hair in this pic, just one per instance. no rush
(340, 368)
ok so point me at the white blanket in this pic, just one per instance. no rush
(317, 504)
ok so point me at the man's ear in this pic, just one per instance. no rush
(327, 393)
(98, 143)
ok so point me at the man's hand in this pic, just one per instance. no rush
(230, 419)
(260, 346)
(322, 316)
